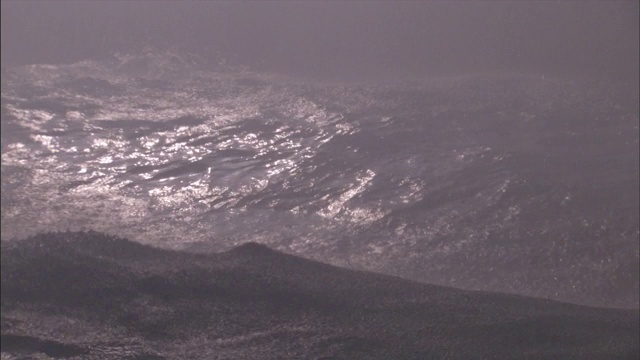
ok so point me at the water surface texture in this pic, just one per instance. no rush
(510, 182)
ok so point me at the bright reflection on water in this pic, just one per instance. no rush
(450, 181)
(171, 155)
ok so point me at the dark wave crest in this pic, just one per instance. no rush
(89, 295)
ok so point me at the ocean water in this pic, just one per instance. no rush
(517, 183)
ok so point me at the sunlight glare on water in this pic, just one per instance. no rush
(411, 179)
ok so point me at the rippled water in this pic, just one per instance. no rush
(503, 182)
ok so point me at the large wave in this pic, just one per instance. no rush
(508, 182)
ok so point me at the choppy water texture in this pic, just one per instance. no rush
(506, 182)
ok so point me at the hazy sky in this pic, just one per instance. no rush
(338, 39)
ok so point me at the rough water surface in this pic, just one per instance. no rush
(89, 296)
(506, 182)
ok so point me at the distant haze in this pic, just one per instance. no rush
(350, 40)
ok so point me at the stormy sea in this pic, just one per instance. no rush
(494, 188)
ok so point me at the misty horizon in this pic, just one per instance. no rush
(339, 40)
